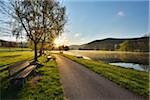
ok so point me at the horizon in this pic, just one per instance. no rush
(96, 20)
(110, 38)
(147, 35)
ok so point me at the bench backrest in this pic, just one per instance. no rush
(16, 67)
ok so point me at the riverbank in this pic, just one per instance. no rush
(136, 81)
(135, 60)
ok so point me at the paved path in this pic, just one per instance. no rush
(80, 83)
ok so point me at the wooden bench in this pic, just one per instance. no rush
(49, 57)
(78, 56)
(20, 70)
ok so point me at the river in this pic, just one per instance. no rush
(135, 60)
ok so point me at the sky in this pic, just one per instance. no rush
(89, 20)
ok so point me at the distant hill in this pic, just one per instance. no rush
(75, 47)
(4, 43)
(112, 44)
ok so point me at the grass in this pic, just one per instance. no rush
(7, 58)
(136, 81)
(41, 85)
(45, 85)
(14, 49)
(11, 57)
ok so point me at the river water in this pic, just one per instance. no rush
(135, 60)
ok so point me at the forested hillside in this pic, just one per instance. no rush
(112, 44)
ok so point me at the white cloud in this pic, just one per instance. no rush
(120, 13)
(77, 35)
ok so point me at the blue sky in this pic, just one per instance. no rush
(90, 20)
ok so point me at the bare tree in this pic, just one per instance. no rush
(37, 18)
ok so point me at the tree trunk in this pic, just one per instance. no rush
(35, 52)
(41, 49)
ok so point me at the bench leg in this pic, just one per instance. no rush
(18, 83)
(22, 82)
(34, 72)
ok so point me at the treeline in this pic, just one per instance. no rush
(142, 46)
(4, 43)
(111, 44)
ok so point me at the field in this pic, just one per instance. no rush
(14, 49)
(43, 84)
(7, 58)
(136, 81)
(11, 57)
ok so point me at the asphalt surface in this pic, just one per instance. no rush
(79, 83)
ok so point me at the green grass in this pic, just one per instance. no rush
(48, 87)
(11, 57)
(43, 84)
(14, 49)
(7, 58)
(136, 81)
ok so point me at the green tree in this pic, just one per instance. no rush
(66, 48)
(63, 47)
(124, 46)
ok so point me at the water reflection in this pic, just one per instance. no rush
(133, 58)
(132, 65)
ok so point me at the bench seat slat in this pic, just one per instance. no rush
(25, 72)
(14, 68)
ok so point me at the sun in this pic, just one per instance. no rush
(58, 42)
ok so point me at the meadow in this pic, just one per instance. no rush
(7, 58)
(136, 81)
(43, 84)
(4, 49)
